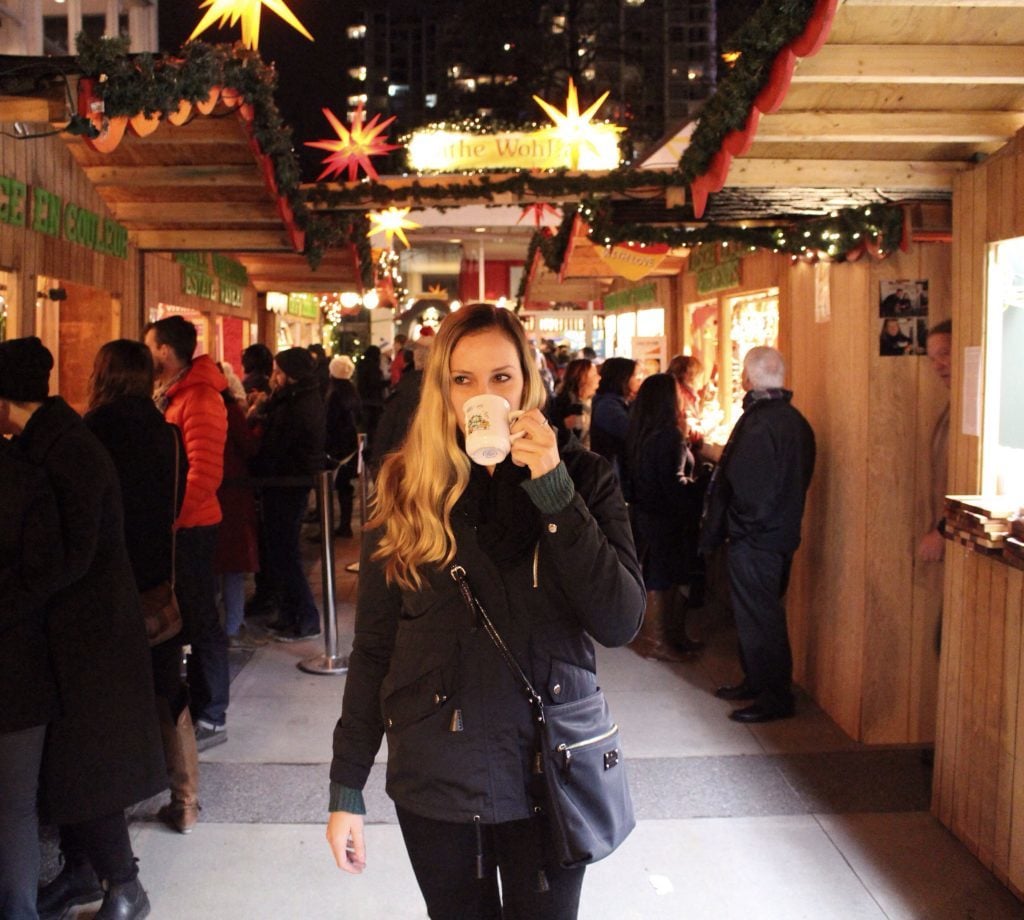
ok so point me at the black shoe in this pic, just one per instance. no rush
(740, 691)
(76, 884)
(127, 901)
(280, 626)
(759, 713)
(294, 634)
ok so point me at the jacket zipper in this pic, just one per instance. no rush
(566, 749)
(536, 561)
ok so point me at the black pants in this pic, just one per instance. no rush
(104, 843)
(444, 859)
(283, 509)
(757, 583)
(21, 754)
(196, 587)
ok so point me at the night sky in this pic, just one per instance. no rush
(310, 74)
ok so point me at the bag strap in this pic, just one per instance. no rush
(174, 504)
(458, 574)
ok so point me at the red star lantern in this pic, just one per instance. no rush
(354, 147)
(539, 212)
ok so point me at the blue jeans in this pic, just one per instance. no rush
(232, 592)
(196, 587)
(21, 753)
(283, 510)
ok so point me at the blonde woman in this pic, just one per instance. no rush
(545, 542)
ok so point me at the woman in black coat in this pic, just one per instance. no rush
(666, 494)
(609, 413)
(371, 386)
(30, 556)
(544, 540)
(103, 752)
(342, 422)
(148, 453)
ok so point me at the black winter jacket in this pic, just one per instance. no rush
(104, 751)
(756, 495)
(30, 557)
(294, 432)
(460, 734)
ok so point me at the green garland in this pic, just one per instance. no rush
(129, 84)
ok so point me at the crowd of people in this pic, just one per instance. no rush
(589, 529)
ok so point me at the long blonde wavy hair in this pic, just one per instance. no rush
(418, 486)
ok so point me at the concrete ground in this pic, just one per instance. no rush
(772, 822)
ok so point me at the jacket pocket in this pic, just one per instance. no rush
(567, 682)
(421, 698)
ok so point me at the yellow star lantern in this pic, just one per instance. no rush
(230, 11)
(354, 147)
(437, 292)
(575, 130)
(392, 223)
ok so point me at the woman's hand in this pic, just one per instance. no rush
(345, 835)
(537, 446)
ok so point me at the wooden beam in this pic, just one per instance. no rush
(155, 213)
(943, 64)
(211, 240)
(29, 109)
(901, 127)
(809, 173)
(178, 175)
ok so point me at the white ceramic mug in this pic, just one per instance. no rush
(488, 417)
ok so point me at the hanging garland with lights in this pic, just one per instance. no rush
(876, 229)
(766, 33)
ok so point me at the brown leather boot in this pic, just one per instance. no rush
(182, 812)
(651, 642)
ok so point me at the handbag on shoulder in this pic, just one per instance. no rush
(160, 611)
(586, 793)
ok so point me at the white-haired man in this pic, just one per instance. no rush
(755, 503)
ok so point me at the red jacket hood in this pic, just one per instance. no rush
(202, 373)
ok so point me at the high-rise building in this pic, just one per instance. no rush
(433, 60)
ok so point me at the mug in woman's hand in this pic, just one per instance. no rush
(488, 417)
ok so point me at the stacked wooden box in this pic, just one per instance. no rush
(988, 524)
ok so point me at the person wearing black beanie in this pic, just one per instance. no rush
(25, 366)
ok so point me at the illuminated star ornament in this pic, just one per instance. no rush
(230, 11)
(392, 223)
(539, 212)
(574, 129)
(437, 292)
(354, 147)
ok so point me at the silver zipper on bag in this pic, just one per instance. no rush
(566, 749)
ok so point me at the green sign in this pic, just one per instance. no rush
(715, 271)
(213, 277)
(632, 297)
(42, 211)
(304, 305)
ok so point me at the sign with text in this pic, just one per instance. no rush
(717, 267)
(212, 277)
(450, 151)
(32, 206)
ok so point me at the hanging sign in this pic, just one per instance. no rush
(212, 277)
(632, 261)
(448, 151)
(632, 297)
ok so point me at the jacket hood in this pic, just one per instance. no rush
(203, 372)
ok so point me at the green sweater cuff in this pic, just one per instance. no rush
(345, 799)
(551, 492)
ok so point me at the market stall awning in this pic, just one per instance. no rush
(891, 95)
(200, 185)
(290, 272)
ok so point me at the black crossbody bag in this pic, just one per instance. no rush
(586, 797)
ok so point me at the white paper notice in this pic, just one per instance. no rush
(970, 417)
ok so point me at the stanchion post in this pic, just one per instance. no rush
(330, 662)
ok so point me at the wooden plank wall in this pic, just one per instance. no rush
(978, 789)
(46, 162)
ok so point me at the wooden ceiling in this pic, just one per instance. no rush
(188, 187)
(902, 95)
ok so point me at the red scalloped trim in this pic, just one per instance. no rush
(771, 96)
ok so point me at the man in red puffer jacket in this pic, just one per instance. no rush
(188, 393)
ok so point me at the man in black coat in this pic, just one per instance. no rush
(755, 503)
(291, 452)
(103, 752)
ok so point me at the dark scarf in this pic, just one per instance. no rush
(507, 522)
